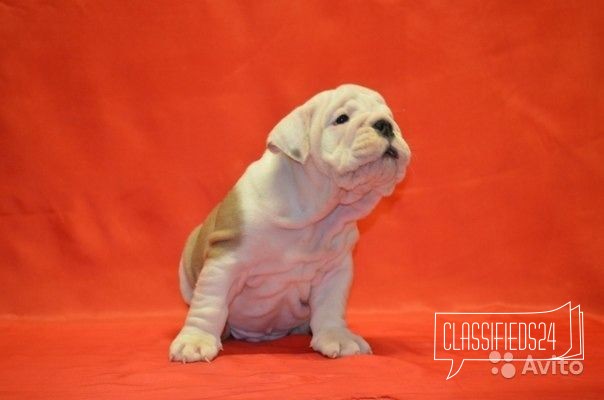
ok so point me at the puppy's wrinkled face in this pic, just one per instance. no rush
(356, 141)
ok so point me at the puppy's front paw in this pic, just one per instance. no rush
(339, 342)
(194, 345)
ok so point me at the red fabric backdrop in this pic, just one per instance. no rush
(123, 123)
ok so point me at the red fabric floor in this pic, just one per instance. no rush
(127, 358)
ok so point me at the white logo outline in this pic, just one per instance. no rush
(580, 356)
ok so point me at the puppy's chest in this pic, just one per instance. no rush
(272, 296)
(291, 264)
(268, 305)
(283, 249)
(296, 278)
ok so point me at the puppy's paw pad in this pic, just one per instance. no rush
(191, 346)
(339, 342)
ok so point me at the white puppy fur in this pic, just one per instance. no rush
(282, 261)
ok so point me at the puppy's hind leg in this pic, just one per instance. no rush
(191, 262)
(185, 288)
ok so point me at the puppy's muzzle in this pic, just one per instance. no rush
(384, 129)
(391, 152)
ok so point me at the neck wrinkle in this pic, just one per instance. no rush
(305, 194)
(295, 195)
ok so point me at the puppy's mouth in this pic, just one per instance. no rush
(390, 153)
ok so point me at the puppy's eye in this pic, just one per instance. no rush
(341, 119)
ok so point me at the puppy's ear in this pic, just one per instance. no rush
(291, 135)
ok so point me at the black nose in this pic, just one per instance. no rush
(384, 128)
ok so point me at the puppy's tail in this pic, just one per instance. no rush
(185, 287)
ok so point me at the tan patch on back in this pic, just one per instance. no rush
(219, 233)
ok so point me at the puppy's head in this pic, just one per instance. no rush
(350, 135)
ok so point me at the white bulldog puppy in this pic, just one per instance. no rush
(275, 256)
